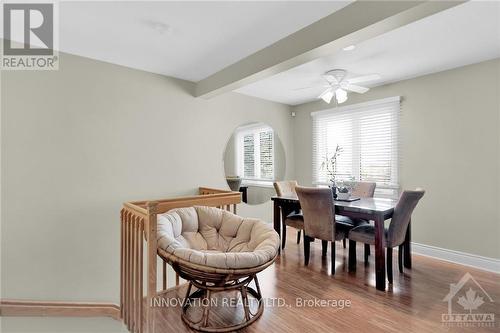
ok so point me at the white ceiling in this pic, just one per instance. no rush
(187, 40)
(459, 36)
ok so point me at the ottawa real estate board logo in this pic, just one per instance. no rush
(466, 301)
(30, 36)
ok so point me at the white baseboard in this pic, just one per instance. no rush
(467, 259)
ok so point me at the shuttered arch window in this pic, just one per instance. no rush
(255, 152)
(368, 134)
(266, 155)
(248, 155)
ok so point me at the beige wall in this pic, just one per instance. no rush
(450, 146)
(229, 158)
(78, 142)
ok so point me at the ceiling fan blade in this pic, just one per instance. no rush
(357, 89)
(364, 78)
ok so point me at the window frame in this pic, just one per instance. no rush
(388, 190)
(255, 130)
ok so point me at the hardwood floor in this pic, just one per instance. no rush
(414, 303)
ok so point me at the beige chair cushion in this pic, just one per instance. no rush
(295, 220)
(365, 234)
(319, 213)
(285, 188)
(217, 238)
(363, 189)
(395, 235)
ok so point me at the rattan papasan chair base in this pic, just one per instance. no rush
(217, 252)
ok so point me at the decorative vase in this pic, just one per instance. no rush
(343, 196)
(234, 183)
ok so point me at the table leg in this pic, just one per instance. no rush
(379, 253)
(407, 247)
(245, 195)
(277, 220)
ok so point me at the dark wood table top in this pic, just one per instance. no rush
(367, 205)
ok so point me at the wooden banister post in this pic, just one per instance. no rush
(151, 207)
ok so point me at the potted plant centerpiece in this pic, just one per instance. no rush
(344, 189)
(329, 165)
(343, 192)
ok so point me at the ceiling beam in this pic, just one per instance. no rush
(357, 22)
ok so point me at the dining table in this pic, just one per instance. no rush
(377, 210)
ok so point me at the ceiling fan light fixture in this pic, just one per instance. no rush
(327, 95)
(341, 95)
(338, 85)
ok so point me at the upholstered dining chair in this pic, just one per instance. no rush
(361, 190)
(319, 220)
(293, 218)
(394, 235)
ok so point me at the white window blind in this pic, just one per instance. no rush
(249, 155)
(255, 152)
(368, 136)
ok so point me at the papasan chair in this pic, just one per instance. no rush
(216, 251)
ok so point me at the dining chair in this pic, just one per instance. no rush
(292, 219)
(319, 220)
(394, 235)
(361, 190)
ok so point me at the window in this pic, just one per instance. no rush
(368, 136)
(255, 153)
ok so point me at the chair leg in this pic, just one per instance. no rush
(206, 309)
(324, 247)
(307, 248)
(244, 298)
(367, 253)
(343, 243)
(333, 257)
(389, 264)
(283, 236)
(352, 256)
(298, 236)
(400, 258)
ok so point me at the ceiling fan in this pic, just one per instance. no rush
(337, 85)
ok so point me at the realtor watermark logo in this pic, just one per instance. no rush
(464, 305)
(233, 302)
(30, 36)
